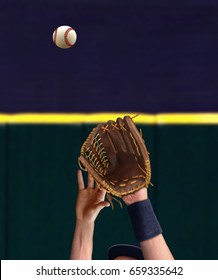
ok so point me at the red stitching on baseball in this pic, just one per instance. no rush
(55, 36)
(66, 35)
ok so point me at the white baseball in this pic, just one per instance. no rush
(64, 37)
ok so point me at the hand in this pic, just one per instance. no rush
(139, 195)
(90, 200)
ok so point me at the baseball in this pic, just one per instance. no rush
(64, 37)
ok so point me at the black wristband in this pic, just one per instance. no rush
(144, 220)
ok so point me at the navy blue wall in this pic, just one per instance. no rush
(136, 55)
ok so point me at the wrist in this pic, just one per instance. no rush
(84, 231)
(140, 195)
(144, 220)
(133, 201)
(84, 224)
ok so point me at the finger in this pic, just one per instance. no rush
(80, 180)
(90, 181)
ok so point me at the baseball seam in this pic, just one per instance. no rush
(55, 36)
(66, 37)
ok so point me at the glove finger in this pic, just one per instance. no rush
(111, 138)
(126, 136)
(115, 136)
(109, 150)
(105, 140)
(135, 138)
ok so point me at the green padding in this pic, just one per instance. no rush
(42, 190)
(3, 194)
(38, 166)
(187, 180)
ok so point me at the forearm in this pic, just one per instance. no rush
(82, 245)
(156, 249)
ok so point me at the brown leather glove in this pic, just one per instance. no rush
(116, 156)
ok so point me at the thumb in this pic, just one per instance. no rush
(102, 204)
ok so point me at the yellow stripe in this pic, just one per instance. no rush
(188, 118)
(47, 118)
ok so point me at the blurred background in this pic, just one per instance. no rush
(141, 56)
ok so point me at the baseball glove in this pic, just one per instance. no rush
(116, 156)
